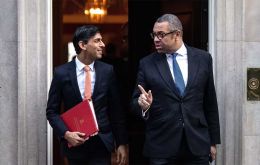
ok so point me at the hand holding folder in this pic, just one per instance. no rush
(81, 118)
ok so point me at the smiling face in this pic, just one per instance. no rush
(166, 40)
(93, 49)
(95, 46)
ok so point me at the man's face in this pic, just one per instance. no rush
(164, 39)
(95, 46)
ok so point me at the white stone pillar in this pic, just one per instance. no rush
(229, 79)
(251, 58)
(8, 82)
(237, 48)
(33, 27)
(33, 55)
(23, 81)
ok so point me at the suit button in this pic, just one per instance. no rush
(180, 119)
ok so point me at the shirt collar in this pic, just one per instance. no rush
(80, 66)
(182, 51)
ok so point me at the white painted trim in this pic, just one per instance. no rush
(211, 41)
(212, 37)
(212, 33)
(49, 77)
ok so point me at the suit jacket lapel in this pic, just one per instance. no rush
(193, 66)
(73, 78)
(164, 70)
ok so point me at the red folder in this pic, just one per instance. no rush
(81, 118)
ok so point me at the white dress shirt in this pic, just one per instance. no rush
(182, 60)
(81, 74)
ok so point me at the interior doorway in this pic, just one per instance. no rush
(142, 15)
(127, 40)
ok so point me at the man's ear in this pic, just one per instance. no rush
(179, 33)
(82, 45)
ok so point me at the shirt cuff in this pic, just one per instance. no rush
(144, 111)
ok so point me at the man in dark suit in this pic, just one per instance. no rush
(68, 87)
(176, 97)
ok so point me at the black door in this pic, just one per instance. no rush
(142, 15)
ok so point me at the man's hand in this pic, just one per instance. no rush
(213, 152)
(145, 99)
(75, 138)
(122, 155)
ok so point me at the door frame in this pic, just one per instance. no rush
(212, 37)
(211, 49)
(49, 78)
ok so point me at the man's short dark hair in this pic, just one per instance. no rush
(84, 33)
(174, 22)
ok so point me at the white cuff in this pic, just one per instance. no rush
(144, 111)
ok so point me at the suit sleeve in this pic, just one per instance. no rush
(211, 107)
(53, 106)
(116, 112)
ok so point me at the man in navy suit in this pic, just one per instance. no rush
(176, 97)
(67, 89)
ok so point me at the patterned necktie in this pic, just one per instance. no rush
(179, 82)
(87, 93)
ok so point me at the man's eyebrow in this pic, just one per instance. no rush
(159, 32)
(97, 38)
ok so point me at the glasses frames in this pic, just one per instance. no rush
(161, 35)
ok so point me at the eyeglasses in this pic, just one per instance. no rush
(161, 35)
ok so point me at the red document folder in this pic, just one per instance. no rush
(81, 118)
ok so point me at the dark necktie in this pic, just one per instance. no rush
(179, 82)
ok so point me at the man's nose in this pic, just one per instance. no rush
(102, 44)
(156, 39)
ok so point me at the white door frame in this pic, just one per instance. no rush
(211, 17)
(211, 45)
(49, 77)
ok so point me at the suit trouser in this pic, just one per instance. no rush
(184, 157)
(96, 154)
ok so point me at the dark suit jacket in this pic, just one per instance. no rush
(110, 116)
(196, 111)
